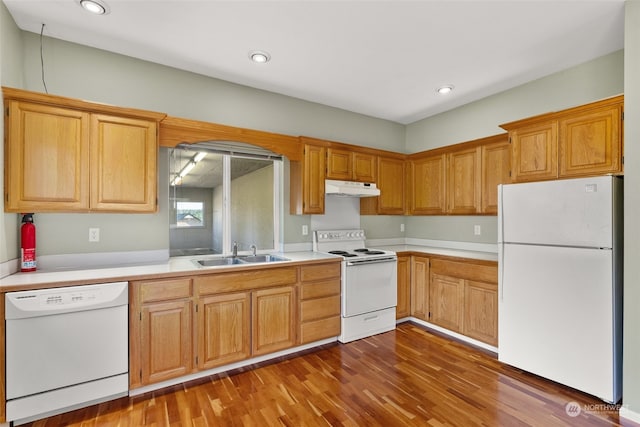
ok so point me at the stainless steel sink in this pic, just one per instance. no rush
(263, 258)
(218, 261)
(237, 260)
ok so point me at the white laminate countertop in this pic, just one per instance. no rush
(459, 253)
(179, 265)
(173, 267)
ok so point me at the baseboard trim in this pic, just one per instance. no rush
(628, 414)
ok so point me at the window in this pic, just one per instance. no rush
(189, 214)
(218, 196)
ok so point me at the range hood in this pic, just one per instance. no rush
(350, 188)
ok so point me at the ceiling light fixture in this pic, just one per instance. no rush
(94, 7)
(443, 90)
(188, 167)
(259, 56)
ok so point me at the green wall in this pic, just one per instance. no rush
(631, 354)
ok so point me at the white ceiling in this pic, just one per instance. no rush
(380, 58)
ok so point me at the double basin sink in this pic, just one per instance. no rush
(240, 259)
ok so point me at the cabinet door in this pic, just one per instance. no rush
(223, 329)
(123, 164)
(496, 169)
(428, 186)
(313, 179)
(535, 152)
(390, 181)
(339, 164)
(591, 143)
(403, 309)
(273, 319)
(166, 335)
(464, 181)
(447, 301)
(481, 311)
(47, 164)
(420, 287)
(364, 167)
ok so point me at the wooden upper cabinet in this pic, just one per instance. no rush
(535, 152)
(313, 181)
(350, 165)
(364, 167)
(464, 175)
(339, 164)
(591, 142)
(67, 155)
(391, 184)
(428, 185)
(124, 155)
(496, 169)
(47, 164)
(580, 141)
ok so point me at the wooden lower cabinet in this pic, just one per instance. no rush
(223, 329)
(319, 302)
(481, 311)
(446, 297)
(161, 324)
(420, 287)
(464, 297)
(403, 309)
(457, 294)
(273, 319)
(183, 325)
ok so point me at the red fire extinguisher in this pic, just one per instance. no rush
(28, 243)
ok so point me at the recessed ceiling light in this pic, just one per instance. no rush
(443, 90)
(94, 6)
(259, 56)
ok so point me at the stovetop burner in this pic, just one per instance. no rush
(347, 244)
(343, 253)
(366, 251)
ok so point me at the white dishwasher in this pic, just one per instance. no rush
(66, 348)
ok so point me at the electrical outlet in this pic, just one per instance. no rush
(402, 228)
(94, 234)
(477, 230)
(305, 230)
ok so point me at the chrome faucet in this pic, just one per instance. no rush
(235, 249)
(253, 249)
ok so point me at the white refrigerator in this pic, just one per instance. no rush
(560, 281)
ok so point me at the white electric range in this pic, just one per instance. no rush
(368, 283)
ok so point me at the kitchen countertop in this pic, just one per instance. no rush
(185, 265)
(458, 253)
(174, 267)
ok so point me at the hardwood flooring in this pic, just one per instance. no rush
(407, 377)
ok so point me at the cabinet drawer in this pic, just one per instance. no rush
(319, 308)
(244, 280)
(320, 271)
(465, 270)
(319, 329)
(320, 289)
(163, 290)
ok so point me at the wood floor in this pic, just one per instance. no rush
(408, 377)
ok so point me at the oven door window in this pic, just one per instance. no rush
(369, 287)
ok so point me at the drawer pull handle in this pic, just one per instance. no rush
(368, 319)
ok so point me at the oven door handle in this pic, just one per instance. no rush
(372, 261)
